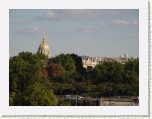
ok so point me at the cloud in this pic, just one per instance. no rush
(113, 12)
(69, 14)
(84, 30)
(37, 30)
(33, 30)
(49, 15)
(86, 13)
(124, 23)
(119, 23)
(102, 23)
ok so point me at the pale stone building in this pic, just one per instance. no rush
(44, 48)
(93, 61)
(90, 61)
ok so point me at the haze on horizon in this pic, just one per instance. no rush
(94, 32)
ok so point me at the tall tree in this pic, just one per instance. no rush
(67, 62)
(55, 70)
(79, 65)
(37, 95)
(131, 77)
(25, 77)
(108, 72)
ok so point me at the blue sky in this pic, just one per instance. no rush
(99, 32)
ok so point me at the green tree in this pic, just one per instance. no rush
(102, 88)
(108, 72)
(60, 88)
(26, 79)
(132, 65)
(79, 65)
(23, 68)
(18, 73)
(67, 62)
(131, 77)
(37, 95)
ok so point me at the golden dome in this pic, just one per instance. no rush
(44, 45)
(44, 48)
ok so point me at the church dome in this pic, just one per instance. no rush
(44, 45)
(44, 48)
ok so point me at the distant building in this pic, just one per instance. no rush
(126, 55)
(92, 62)
(44, 48)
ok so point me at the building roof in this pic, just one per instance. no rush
(44, 45)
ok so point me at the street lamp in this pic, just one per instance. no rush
(110, 90)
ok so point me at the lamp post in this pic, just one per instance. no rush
(110, 90)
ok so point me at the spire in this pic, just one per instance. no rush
(44, 39)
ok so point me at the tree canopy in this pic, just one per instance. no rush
(67, 62)
(35, 80)
(26, 70)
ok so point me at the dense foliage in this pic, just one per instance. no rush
(33, 81)
(25, 81)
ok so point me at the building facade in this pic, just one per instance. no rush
(93, 61)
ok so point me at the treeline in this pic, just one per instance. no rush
(35, 80)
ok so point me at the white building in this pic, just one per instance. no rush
(92, 62)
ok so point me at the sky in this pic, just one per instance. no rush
(89, 32)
